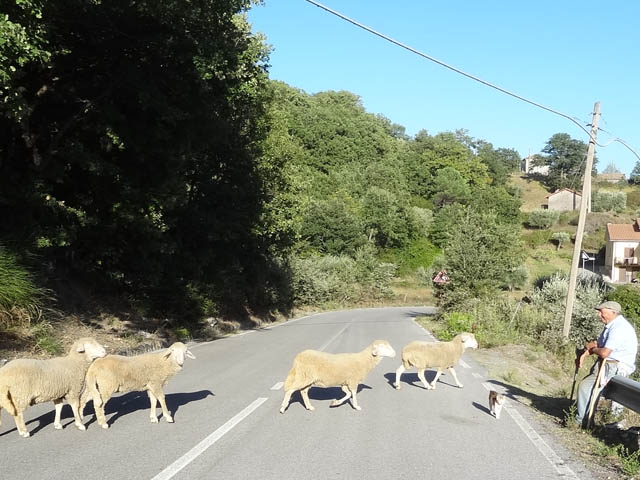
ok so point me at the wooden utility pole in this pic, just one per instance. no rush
(586, 200)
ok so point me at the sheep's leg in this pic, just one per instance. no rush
(98, 406)
(455, 377)
(22, 428)
(423, 380)
(152, 413)
(354, 400)
(399, 372)
(340, 401)
(75, 406)
(57, 424)
(433, 384)
(159, 394)
(305, 398)
(285, 402)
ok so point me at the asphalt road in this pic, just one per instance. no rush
(227, 424)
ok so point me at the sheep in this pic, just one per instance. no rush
(147, 372)
(345, 370)
(440, 355)
(25, 382)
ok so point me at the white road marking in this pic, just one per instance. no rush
(327, 343)
(192, 454)
(542, 446)
(476, 374)
(277, 386)
(464, 364)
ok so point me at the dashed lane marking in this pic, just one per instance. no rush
(277, 386)
(200, 448)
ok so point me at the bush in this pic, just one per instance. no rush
(561, 237)
(457, 322)
(550, 295)
(543, 218)
(20, 298)
(320, 280)
(418, 253)
(537, 238)
(609, 201)
(633, 199)
(628, 296)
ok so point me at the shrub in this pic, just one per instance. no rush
(561, 237)
(628, 296)
(20, 298)
(633, 199)
(320, 280)
(543, 218)
(418, 253)
(537, 238)
(609, 201)
(457, 322)
(550, 295)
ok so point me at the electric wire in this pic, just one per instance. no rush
(468, 75)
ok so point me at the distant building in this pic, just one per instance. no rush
(529, 169)
(564, 199)
(610, 177)
(621, 259)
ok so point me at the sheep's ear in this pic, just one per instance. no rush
(190, 355)
(80, 348)
(168, 353)
(374, 351)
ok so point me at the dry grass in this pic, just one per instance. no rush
(533, 192)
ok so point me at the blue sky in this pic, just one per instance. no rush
(565, 55)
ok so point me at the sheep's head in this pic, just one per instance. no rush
(468, 340)
(90, 348)
(177, 352)
(382, 348)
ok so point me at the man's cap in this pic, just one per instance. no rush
(615, 306)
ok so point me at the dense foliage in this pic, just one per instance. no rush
(144, 151)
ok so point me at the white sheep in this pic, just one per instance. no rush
(147, 372)
(25, 382)
(345, 370)
(440, 355)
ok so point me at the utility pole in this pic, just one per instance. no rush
(586, 199)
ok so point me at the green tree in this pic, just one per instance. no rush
(634, 177)
(481, 252)
(565, 157)
(134, 158)
(333, 227)
(449, 187)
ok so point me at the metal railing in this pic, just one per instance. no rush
(624, 391)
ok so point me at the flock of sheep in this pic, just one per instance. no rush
(87, 373)
(347, 370)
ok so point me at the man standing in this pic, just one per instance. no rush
(618, 341)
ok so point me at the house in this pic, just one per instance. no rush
(610, 177)
(564, 199)
(622, 251)
(527, 167)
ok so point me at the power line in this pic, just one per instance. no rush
(468, 75)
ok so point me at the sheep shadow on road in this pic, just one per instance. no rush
(134, 401)
(325, 393)
(411, 379)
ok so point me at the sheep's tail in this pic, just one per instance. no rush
(6, 401)
(290, 382)
(91, 391)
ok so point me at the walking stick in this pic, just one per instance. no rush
(579, 352)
